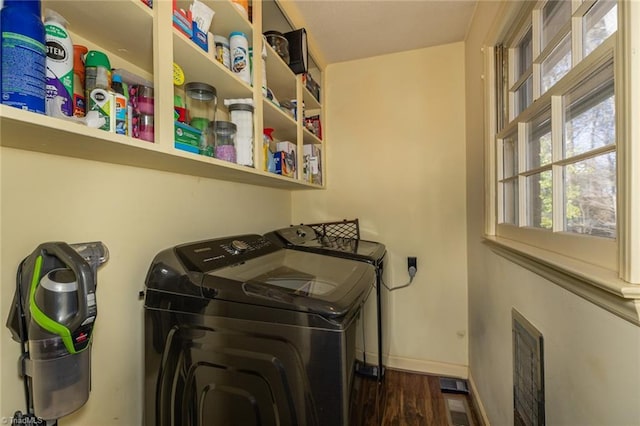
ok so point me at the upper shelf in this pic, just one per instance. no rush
(227, 17)
(96, 21)
(310, 102)
(200, 66)
(60, 137)
(280, 79)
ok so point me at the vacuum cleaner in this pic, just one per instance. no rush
(52, 317)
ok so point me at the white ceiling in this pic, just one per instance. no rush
(355, 29)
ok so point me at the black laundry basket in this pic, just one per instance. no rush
(342, 229)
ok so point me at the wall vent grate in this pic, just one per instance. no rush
(528, 373)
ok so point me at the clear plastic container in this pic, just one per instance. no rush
(60, 381)
(141, 98)
(224, 135)
(242, 116)
(279, 43)
(202, 101)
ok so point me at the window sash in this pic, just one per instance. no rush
(528, 228)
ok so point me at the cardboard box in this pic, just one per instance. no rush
(182, 20)
(186, 138)
(287, 152)
(312, 167)
(199, 37)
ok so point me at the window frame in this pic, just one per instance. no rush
(595, 250)
(604, 271)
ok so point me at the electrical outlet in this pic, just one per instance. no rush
(412, 261)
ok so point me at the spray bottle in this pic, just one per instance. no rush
(59, 65)
(97, 86)
(79, 100)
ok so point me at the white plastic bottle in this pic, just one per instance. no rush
(59, 65)
(239, 46)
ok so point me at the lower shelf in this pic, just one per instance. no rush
(40, 133)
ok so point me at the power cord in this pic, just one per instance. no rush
(412, 273)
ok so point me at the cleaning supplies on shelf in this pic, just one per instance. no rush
(186, 138)
(224, 133)
(267, 150)
(285, 157)
(239, 46)
(202, 102)
(242, 6)
(201, 17)
(241, 114)
(79, 99)
(120, 100)
(23, 54)
(141, 112)
(312, 163)
(59, 64)
(222, 52)
(98, 85)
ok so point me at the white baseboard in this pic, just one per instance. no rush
(421, 366)
(477, 401)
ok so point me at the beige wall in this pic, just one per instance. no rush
(591, 363)
(136, 213)
(395, 131)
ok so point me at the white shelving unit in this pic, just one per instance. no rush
(143, 40)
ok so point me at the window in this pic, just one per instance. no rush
(589, 154)
(538, 172)
(555, 16)
(599, 23)
(557, 169)
(509, 181)
(557, 64)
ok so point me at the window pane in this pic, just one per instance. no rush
(557, 64)
(590, 117)
(524, 51)
(524, 96)
(539, 141)
(554, 15)
(510, 201)
(599, 23)
(590, 196)
(510, 156)
(539, 203)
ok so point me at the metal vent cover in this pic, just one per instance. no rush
(528, 373)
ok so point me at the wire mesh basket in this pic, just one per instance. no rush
(347, 229)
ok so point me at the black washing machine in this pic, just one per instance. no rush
(316, 239)
(239, 331)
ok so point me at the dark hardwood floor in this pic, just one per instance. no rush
(403, 399)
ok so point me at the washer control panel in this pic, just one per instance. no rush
(209, 255)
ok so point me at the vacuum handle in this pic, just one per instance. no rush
(77, 332)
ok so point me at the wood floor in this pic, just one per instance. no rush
(402, 399)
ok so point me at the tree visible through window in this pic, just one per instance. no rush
(567, 182)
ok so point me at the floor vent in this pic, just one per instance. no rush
(458, 412)
(528, 373)
(452, 384)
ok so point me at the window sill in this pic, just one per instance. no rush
(598, 285)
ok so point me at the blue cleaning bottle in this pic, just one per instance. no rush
(23, 55)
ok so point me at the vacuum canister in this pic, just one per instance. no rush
(54, 312)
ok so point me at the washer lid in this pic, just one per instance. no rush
(294, 280)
